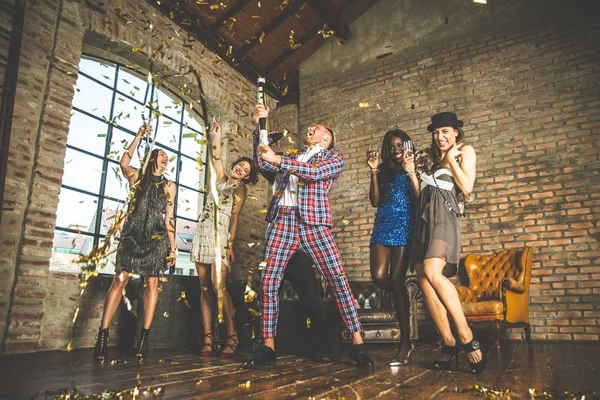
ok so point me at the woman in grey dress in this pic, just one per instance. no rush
(436, 236)
(147, 246)
(232, 196)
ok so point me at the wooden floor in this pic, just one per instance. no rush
(573, 367)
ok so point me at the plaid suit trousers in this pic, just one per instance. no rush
(284, 236)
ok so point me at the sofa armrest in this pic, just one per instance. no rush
(513, 286)
(465, 293)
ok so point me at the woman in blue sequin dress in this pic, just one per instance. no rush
(394, 187)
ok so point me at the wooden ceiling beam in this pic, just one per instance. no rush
(237, 7)
(271, 26)
(329, 14)
(289, 51)
(187, 20)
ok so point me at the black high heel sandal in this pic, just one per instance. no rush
(142, 347)
(452, 351)
(101, 350)
(396, 362)
(470, 347)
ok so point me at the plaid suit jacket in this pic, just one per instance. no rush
(315, 179)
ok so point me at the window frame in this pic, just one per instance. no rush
(107, 162)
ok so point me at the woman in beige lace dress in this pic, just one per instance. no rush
(232, 196)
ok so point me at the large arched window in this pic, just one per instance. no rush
(107, 112)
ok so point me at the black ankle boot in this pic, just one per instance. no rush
(452, 351)
(470, 347)
(101, 350)
(142, 347)
(359, 354)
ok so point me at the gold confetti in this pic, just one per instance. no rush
(261, 37)
(293, 44)
(166, 314)
(263, 211)
(345, 221)
(325, 32)
(363, 105)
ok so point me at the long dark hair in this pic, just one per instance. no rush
(145, 179)
(388, 167)
(436, 153)
(253, 176)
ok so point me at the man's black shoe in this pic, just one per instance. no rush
(266, 357)
(359, 354)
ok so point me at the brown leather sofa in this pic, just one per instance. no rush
(498, 289)
(375, 308)
(377, 314)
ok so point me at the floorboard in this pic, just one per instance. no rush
(558, 366)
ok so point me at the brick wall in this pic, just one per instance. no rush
(36, 305)
(529, 93)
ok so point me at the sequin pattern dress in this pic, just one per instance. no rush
(144, 243)
(203, 244)
(437, 228)
(394, 218)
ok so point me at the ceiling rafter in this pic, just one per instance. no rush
(237, 7)
(330, 15)
(271, 26)
(280, 59)
(188, 21)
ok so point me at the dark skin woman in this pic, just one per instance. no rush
(394, 186)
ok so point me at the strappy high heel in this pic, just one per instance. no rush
(231, 346)
(142, 347)
(208, 353)
(101, 350)
(445, 365)
(470, 347)
(396, 362)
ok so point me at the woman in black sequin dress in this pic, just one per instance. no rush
(147, 240)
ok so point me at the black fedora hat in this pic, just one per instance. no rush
(444, 119)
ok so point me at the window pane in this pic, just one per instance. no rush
(82, 171)
(92, 97)
(190, 121)
(103, 71)
(76, 210)
(133, 86)
(109, 266)
(191, 174)
(119, 143)
(168, 133)
(190, 146)
(187, 203)
(116, 184)
(110, 209)
(66, 249)
(128, 113)
(185, 234)
(169, 106)
(87, 133)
